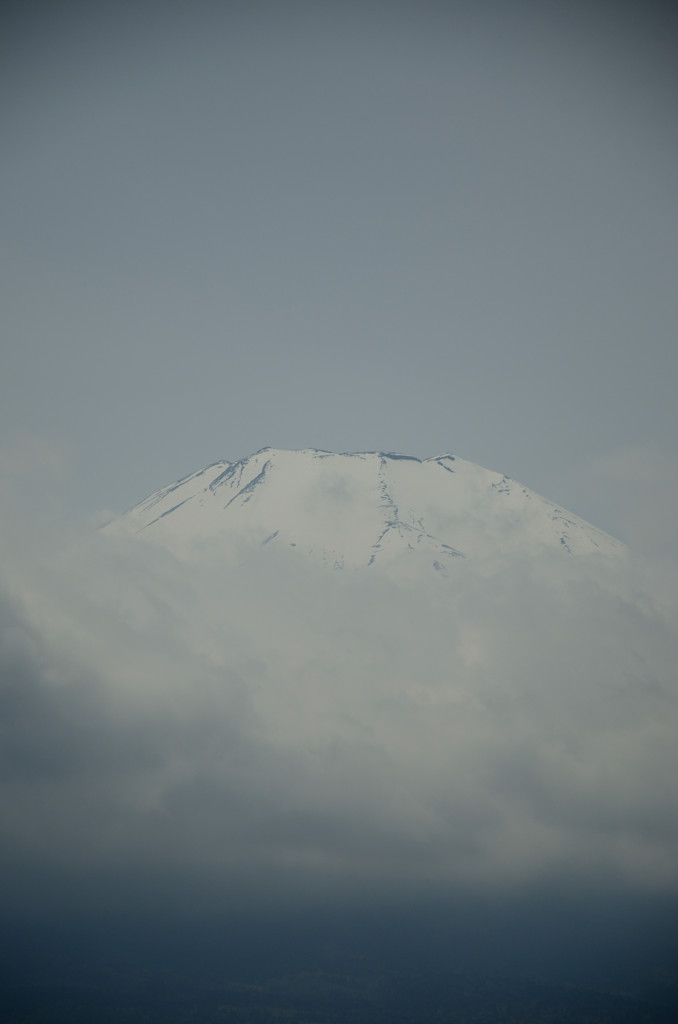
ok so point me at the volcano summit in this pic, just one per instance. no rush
(360, 509)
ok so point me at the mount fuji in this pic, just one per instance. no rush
(305, 686)
(357, 510)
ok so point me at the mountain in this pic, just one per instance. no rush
(460, 745)
(360, 509)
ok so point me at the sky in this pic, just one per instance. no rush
(422, 227)
(426, 228)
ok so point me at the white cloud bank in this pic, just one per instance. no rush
(261, 724)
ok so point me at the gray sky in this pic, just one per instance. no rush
(420, 227)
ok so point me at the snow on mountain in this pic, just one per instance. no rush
(360, 509)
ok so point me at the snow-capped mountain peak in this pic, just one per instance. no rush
(360, 509)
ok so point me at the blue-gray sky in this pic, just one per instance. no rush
(422, 227)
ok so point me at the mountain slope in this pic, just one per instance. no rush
(355, 510)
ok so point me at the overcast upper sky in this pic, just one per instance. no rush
(421, 227)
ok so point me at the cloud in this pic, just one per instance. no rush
(257, 730)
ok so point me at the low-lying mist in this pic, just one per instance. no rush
(479, 768)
